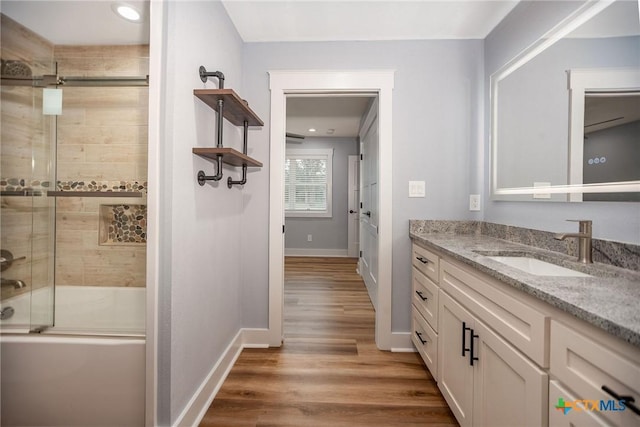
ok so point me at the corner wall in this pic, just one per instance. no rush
(199, 270)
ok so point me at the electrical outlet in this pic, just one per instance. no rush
(474, 202)
(309, 238)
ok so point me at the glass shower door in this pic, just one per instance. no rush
(27, 215)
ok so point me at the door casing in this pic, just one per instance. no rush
(281, 84)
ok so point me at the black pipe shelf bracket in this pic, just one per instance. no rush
(228, 105)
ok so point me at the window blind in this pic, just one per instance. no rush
(308, 182)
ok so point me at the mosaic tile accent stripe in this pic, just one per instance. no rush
(21, 184)
(123, 224)
(107, 186)
(618, 254)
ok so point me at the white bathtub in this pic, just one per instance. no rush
(87, 310)
(62, 378)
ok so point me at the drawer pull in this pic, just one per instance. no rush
(422, 259)
(419, 335)
(471, 356)
(464, 337)
(422, 297)
(628, 400)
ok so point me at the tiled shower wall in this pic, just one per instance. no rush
(26, 223)
(102, 136)
(102, 142)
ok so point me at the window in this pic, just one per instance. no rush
(307, 183)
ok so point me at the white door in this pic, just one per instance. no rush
(369, 203)
(354, 208)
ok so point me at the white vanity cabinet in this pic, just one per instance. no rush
(505, 357)
(424, 310)
(485, 380)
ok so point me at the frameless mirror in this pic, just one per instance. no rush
(543, 147)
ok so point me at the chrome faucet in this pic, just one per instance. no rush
(584, 240)
(17, 284)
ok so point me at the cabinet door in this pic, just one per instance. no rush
(455, 373)
(509, 390)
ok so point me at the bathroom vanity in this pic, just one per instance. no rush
(524, 343)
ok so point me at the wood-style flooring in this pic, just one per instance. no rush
(328, 371)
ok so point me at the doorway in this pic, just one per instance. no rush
(287, 83)
(322, 214)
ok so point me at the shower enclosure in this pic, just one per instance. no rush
(73, 166)
(73, 155)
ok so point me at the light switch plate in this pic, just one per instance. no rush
(416, 189)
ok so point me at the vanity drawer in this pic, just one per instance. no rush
(581, 417)
(522, 325)
(425, 297)
(426, 341)
(426, 262)
(584, 366)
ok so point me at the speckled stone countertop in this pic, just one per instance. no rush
(609, 299)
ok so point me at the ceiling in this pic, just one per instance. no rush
(330, 116)
(331, 20)
(80, 22)
(605, 110)
(94, 22)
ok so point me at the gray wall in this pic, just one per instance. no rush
(436, 132)
(611, 220)
(199, 279)
(328, 233)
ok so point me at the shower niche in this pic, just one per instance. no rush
(123, 225)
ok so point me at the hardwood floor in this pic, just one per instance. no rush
(328, 370)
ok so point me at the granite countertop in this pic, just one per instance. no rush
(609, 299)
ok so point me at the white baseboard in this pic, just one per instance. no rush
(334, 253)
(255, 338)
(202, 398)
(401, 342)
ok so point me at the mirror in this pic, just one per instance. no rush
(538, 149)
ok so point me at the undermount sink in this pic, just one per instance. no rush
(536, 266)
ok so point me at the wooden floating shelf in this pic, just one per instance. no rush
(235, 108)
(229, 156)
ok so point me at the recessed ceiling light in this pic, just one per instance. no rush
(126, 11)
(312, 130)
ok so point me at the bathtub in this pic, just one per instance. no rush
(61, 377)
(92, 310)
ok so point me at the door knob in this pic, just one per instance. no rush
(368, 213)
(352, 211)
